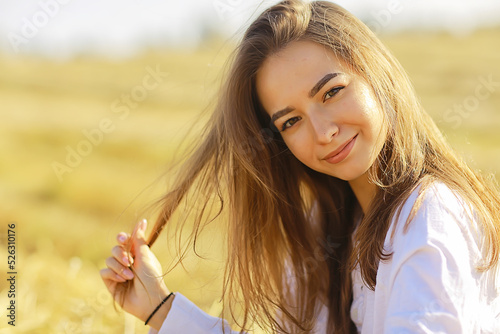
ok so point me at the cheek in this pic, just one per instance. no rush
(378, 124)
(300, 147)
(378, 132)
(372, 115)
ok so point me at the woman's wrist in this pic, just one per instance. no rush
(158, 318)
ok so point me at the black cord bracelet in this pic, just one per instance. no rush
(158, 307)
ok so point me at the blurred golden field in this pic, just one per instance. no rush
(66, 225)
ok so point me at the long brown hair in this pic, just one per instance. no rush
(286, 218)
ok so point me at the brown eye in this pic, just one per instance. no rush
(290, 122)
(332, 92)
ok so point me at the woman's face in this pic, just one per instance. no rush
(328, 117)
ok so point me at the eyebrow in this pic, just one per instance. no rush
(322, 82)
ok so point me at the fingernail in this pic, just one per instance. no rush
(122, 238)
(143, 224)
(126, 261)
(128, 274)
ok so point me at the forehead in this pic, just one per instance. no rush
(292, 71)
(302, 51)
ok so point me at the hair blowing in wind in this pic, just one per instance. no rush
(279, 210)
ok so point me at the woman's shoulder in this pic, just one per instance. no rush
(436, 246)
(436, 200)
(437, 216)
(435, 204)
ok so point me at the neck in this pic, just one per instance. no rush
(364, 191)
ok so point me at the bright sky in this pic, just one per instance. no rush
(62, 28)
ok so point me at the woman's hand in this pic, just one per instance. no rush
(139, 299)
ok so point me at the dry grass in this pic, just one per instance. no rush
(66, 229)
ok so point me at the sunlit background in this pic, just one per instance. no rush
(96, 98)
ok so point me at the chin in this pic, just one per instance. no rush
(345, 176)
(349, 178)
(350, 174)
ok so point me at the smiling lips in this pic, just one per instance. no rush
(342, 152)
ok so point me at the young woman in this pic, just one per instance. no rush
(348, 212)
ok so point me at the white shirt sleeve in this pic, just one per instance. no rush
(185, 317)
(431, 284)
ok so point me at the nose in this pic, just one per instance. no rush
(324, 128)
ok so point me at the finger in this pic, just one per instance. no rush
(110, 278)
(122, 238)
(139, 235)
(119, 269)
(121, 255)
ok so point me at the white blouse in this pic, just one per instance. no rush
(429, 285)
